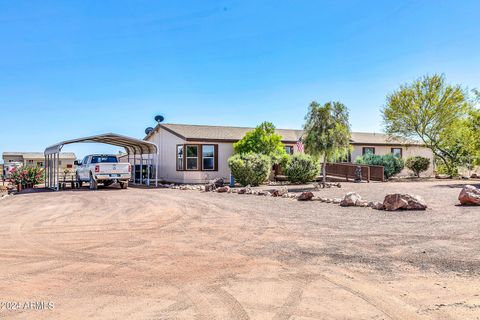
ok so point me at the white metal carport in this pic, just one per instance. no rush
(131, 145)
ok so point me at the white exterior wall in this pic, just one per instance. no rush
(167, 162)
(406, 153)
(225, 151)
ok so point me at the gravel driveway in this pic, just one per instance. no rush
(172, 254)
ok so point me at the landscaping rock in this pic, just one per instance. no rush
(361, 203)
(279, 192)
(350, 199)
(223, 189)
(469, 195)
(337, 200)
(398, 201)
(305, 196)
(246, 190)
(376, 205)
(214, 184)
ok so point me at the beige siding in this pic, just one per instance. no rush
(167, 143)
(406, 153)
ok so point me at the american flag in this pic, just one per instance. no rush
(299, 146)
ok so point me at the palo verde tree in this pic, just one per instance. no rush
(432, 111)
(327, 132)
(262, 140)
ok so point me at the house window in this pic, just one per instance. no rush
(208, 157)
(69, 166)
(30, 162)
(397, 152)
(289, 149)
(40, 164)
(192, 157)
(197, 157)
(180, 157)
(368, 150)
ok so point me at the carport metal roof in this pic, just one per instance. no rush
(131, 145)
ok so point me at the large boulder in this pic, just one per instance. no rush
(305, 196)
(350, 199)
(469, 195)
(397, 201)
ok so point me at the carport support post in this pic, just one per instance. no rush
(45, 170)
(53, 170)
(149, 164)
(58, 171)
(156, 170)
(141, 168)
(134, 171)
(50, 170)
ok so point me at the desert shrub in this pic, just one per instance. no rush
(302, 168)
(250, 169)
(417, 164)
(441, 168)
(391, 164)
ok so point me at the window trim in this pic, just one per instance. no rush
(401, 151)
(364, 148)
(199, 157)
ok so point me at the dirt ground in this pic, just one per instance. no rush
(172, 254)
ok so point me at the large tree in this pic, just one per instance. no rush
(432, 111)
(262, 140)
(327, 132)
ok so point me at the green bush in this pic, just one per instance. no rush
(417, 164)
(391, 164)
(302, 168)
(250, 169)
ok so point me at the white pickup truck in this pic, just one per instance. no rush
(103, 168)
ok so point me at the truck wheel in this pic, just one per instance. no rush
(93, 183)
(107, 183)
(123, 185)
(80, 182)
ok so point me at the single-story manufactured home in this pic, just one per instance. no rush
(198, 153)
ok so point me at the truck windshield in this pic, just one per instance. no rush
(101, 159)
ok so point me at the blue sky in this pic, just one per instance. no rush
(76, 68)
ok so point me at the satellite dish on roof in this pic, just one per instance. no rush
(148, 130)
(159, 118)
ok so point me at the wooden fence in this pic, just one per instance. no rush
(347, 170)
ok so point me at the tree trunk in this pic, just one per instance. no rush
(324, 171)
